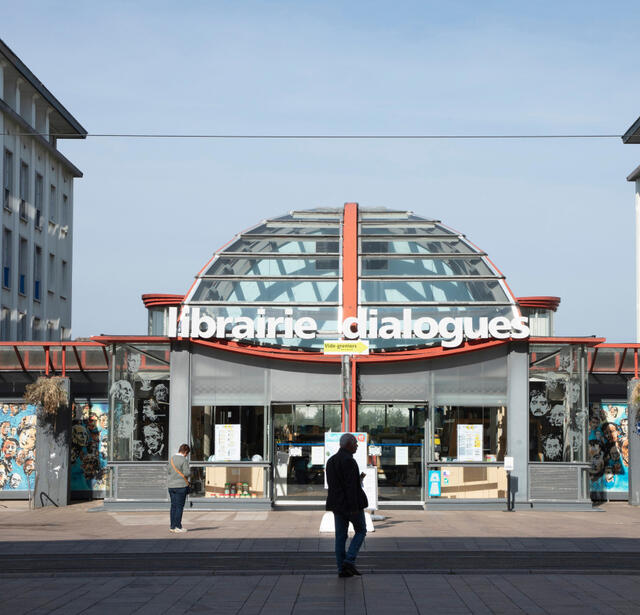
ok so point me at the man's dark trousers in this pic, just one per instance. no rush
(342, 528)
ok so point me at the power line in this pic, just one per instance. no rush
(316, 137)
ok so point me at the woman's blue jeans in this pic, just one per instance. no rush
(342, 528)
(178, 497)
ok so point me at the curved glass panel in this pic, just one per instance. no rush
(241, 266)
(285, 246)
(375, 266)
(417, 246)
(280, 229)
(418, 291)
(297, 291)
(388, 214)
(388, 229)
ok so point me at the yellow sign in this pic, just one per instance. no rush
(347, 347)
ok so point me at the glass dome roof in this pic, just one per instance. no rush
(294, 263)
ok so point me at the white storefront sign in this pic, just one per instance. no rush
(452, 331)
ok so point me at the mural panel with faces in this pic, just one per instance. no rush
(557, 415)
(17, 446)
(609, 449)
(139, 398)
(90, 445)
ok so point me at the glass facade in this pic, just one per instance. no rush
(403, 260)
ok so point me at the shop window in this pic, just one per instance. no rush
(470, 434)
(557, 411)
(227, 433)
(139, 403)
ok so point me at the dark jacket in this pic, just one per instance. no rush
(343, 477)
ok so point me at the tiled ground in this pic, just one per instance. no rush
(299, 594)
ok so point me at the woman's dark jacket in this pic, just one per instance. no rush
(343, 477)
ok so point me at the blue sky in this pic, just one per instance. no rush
(556, 216)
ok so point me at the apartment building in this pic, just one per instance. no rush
(36, 242)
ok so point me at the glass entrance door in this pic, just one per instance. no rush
(396, 447)
(298, 433)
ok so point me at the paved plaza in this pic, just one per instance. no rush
(71, 560)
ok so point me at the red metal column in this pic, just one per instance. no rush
(350, 295)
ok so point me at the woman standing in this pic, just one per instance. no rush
(178, 484)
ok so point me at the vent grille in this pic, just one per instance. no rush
(140, 483)
(554, 482)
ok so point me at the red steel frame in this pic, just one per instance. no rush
(350, 295)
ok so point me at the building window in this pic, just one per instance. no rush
(22, 326)
(22, 266)
(66, 334)
(7, 181)
(51, 330)
(5, 324)
(65, 210)
(7, 249)
(53, 204)
(24, 189)
(35, 330)
(51, 273)
(64, 281)
(37, 273)
(39, 201)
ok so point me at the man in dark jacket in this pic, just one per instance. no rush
(347, 500)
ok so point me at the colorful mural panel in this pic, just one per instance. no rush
(609, 449)
(89, 446)
(17, 446)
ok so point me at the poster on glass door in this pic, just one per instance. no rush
(469, 442)
(227, 442)
(332, 444)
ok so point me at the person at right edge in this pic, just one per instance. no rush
(178, 484)
(347, 500)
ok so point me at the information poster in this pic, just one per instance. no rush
(402, 455)
(317, 455)
(332, 444)
(469, 443)
(227, 442)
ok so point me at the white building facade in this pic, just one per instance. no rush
(36, 240)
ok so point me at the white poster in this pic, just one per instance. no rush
(317, 455)
(227, 442)
(469, 443)
(402, 455)
(332, 445)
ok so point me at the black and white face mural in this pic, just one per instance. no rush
(557, 415)
(140, 407)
